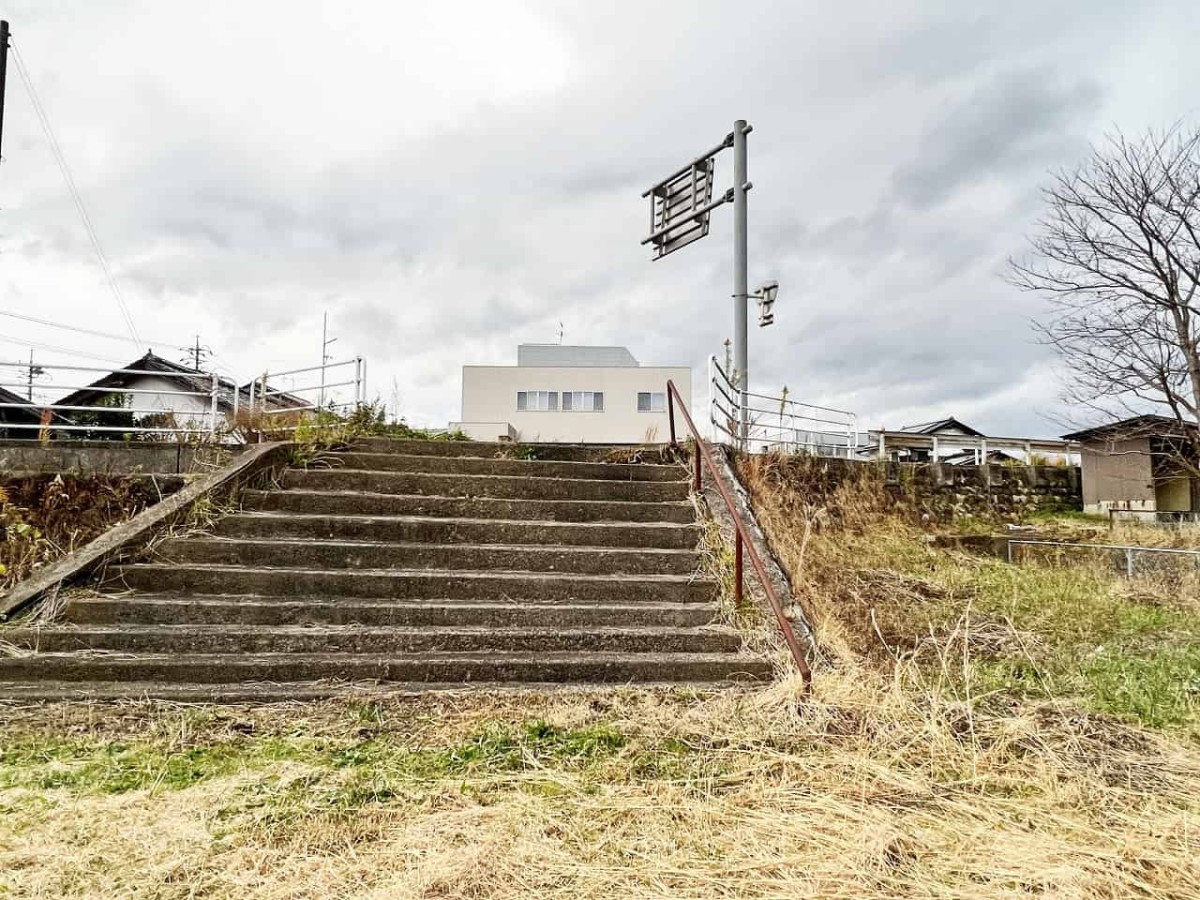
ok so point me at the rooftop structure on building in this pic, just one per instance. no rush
(560, 393)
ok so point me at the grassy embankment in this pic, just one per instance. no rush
(977, 730)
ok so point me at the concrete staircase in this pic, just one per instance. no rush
(405, 565)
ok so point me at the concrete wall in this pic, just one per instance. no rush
(490, 396)
(1118, 476)
(1174, 495)
(94, 458)
(943, 492)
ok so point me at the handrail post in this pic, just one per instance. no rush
(696, 479)
(744, 545)
(671, 412)
(738, 570)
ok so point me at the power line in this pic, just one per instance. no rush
(61, 159)
(87, 331)
(53, 348)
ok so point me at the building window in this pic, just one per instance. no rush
(648, 402)
(537, 401)
(583, 401)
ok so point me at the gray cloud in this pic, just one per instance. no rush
(1015, 120)
(447, 183)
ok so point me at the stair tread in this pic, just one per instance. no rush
(504, 574)
(450, 520)
(531, 463)
(463, 546)
(317, 470)
(239, 658)
(291, 691)
(336, 492)
(167, 628)
(329, 600)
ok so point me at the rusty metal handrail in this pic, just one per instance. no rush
(743, 545)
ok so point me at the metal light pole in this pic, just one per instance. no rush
(680, 207)
(741, 289)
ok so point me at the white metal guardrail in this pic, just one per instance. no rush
(150, 412)
(165, 403)
(323, 395)
(778, 423)
(1124, 557)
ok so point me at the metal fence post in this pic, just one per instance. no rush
(212, 422)
(738, 569)
(1129, 562)
(358, 399)
(712, 360)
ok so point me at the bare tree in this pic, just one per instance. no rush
(1118, 256)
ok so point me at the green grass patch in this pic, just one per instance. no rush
(115, 767)
(1076, 632)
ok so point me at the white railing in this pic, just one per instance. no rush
(777, 422)
(188, 406)
(156, 417)
(323, 395)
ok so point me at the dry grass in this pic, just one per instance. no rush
(862, 793)
(911, 771)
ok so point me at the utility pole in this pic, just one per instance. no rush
(741, 278)
(34, 371)
(325, 357)
(3, 71)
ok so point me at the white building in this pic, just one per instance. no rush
(556, 393)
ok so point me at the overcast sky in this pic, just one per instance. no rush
(451, 179)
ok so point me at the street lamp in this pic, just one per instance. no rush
(765, 295)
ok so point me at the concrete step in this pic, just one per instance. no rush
(418, 529)
(45, 690)
(442, 668)
(469, 465)
(491, 450)
(376, 504)
(503, 486)
(470, 557)
(413, 585)
(183, 639)
(217, 609)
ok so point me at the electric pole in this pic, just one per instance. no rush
(34, 371)
(325, 357)
(196, 354)
(3, 70)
